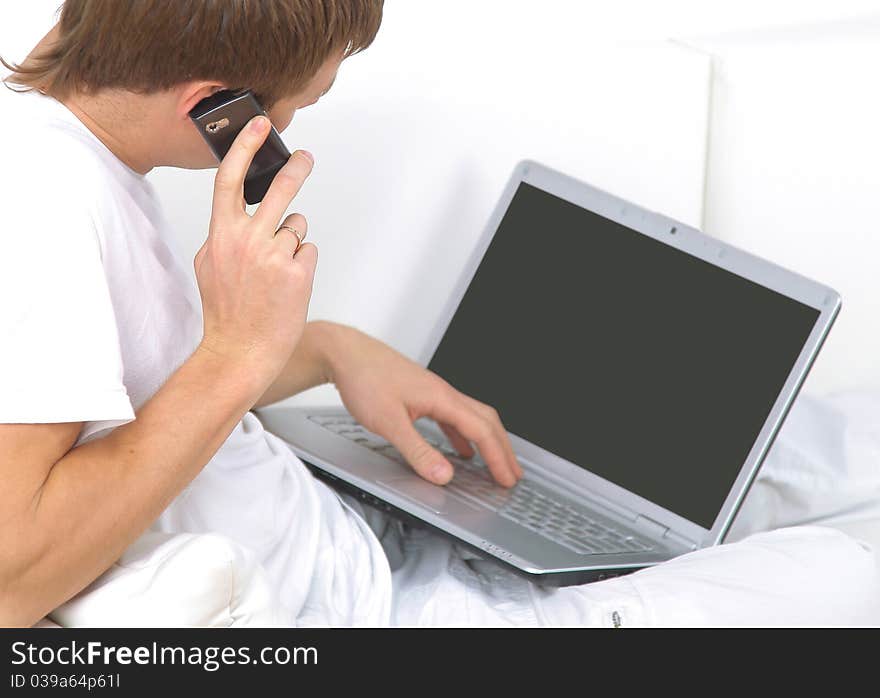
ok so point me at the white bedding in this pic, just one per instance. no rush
(822, 473)
(824, 468)
(785, 563)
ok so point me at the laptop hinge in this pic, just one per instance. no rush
(661, 531)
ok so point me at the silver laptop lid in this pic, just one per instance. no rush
(626, 352)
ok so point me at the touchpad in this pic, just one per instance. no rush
(421, 492)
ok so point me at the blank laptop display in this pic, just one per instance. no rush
(591, 342)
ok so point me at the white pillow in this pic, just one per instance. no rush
(168, 580)
(823, 469)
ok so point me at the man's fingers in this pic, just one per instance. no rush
(306, 261)
(426, 460)
(479, 429)
(459, 443)
(285, 186)
(494, 419)
(229, 181)
(286, 238)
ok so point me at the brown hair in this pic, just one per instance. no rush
(273, 47)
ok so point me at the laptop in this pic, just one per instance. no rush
(641, 368)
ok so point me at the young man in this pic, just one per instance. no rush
(125, 387)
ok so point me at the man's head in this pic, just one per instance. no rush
(138, 67)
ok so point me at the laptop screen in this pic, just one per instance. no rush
(639, 362)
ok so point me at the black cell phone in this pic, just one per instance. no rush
(220, 118)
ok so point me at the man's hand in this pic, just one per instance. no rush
(255, 283)
(386, 392)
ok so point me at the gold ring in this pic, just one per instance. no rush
(294, 231)
(299, 239)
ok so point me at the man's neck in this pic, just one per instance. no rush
(112, 116)
(107, 117)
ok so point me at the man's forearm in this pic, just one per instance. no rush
(307, 366)
(103, 494)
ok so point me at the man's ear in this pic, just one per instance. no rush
(192, 93)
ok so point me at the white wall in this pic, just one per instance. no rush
(418, 135)
(793, 170)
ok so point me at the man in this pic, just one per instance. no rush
(126, 389)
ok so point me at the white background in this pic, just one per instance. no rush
(753, 120)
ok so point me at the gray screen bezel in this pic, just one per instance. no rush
(687, 239)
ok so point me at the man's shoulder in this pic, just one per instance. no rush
(50, 184)
(42, 154)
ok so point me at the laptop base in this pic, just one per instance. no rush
(546, 579)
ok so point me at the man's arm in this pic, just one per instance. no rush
(66, 518)
(306, 368)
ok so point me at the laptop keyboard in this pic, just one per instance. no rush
(528, 504)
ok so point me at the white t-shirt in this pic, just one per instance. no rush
(97, 310)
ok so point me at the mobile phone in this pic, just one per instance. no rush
(220, 118)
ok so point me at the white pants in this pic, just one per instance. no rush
(792, 576)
